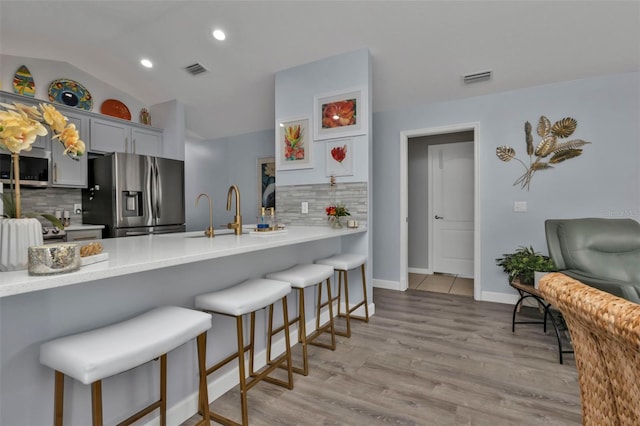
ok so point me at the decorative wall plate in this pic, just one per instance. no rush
(23, 83)
(71, 93)
(145, 118)
(115, 108)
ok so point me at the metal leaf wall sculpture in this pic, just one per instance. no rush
(548, 146)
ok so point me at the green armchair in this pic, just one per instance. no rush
(602, 253)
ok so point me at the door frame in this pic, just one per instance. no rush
(404, 199)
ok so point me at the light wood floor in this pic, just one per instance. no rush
(426, 359)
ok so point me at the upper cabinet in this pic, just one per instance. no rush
(66, 171)
(116, 136)
(100, 133)
(109, 136)
(146, 141)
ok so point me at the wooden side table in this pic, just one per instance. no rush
(529, 291)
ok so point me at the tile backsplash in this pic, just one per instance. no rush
(288, 202)
(319, 196)
(48, 200)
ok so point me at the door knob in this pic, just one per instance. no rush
(439, 217)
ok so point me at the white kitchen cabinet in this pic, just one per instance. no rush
(109, 136)
(146, 141)
(113, 136)
(66, 171)
(83, 235)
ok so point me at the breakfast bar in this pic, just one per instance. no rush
(141, 273)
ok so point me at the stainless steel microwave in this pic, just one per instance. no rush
(35, 166)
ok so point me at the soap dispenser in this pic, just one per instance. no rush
(262, 223)
(272, 219)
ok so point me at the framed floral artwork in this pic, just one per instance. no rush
(266, 182)
(339, 157)
(340, 115)
(293, 147)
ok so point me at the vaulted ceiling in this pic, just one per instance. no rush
(419, 49)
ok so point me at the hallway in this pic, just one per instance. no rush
(442, 283)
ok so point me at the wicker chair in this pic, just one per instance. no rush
(605, 331)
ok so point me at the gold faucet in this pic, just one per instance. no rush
(209, 231)
(236, 225)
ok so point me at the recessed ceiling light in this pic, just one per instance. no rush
(219, 35)
(146, 63)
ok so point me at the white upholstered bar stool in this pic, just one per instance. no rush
(301, 277)
(342, 264)
(94, 355)
(246, 298)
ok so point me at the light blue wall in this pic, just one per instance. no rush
(44, 71)
(603, 182)
(295, 90)
(212, 166)
(294, 97)
(168, 116)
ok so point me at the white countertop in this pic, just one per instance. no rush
(82, 227)
(142, 253)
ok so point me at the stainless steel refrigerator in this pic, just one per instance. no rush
(134, 195)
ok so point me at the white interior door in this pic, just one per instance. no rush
(452, 183)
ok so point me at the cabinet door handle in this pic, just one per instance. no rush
(134, 146)
(126, 144)
(55, 172)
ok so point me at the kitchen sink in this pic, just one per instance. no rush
(216, 233)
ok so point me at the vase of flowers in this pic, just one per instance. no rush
(20, 125)
(335, 213)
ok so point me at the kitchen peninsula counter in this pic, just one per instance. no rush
(142, 273)
(143, 253)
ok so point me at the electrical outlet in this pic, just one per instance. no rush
(520, 206)
(304, 207)
(77, 208)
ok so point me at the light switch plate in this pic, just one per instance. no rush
(520, 206)
(304, 207)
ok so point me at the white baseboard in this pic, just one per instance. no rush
(187, 407)
(425, 271)
(491, 296)
(389, 285)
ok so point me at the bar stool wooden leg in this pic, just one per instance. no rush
(302, 332)
(347, 314)
(58, 400)
(96, 402)
(287, 340)
(332, 328)
(202, 370)
(252, 340)
(163, 390)
(364, 292)
(319, 305)
(243, 379)
(270, 334)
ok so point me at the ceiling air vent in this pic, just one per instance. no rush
(195, 69)
(477, 77)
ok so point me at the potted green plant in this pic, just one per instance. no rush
(522, 263)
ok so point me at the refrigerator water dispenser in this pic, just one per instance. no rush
(131, 203)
